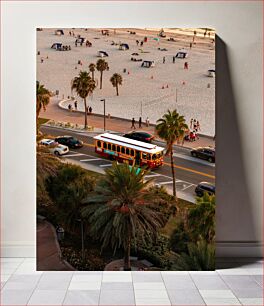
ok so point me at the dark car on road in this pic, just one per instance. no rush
(206, 153)
(203, 187)
(69, 141)
(140, 136)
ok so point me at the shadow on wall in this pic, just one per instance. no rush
(234, 215)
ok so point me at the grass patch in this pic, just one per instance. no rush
(42, 120)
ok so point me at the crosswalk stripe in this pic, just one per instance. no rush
(72, 155)
(90, 159)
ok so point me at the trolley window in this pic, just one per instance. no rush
(113, 147)
(132, 152)
(105, 145)
(109, 146)
(127, 151)
(123, 150)
(99, 143)
(118, 149)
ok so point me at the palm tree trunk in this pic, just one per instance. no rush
(127, 266)
(117, 90)
(101, 79)
(85, 114)
(173, 175)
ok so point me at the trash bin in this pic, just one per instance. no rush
(60, 233)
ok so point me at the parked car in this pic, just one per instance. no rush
(206, 153)
(55, 147)
(69, 141)
(141, 136)
(203, 187)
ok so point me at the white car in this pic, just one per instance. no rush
(57, 149)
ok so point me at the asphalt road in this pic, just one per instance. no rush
(189, 171)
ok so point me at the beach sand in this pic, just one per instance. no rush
(141, 93)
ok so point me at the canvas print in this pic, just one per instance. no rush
(125, 144)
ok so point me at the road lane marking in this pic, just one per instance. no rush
(90, 159)
(195, 160)
(107, 165)
(187, 187)
(164, 183)
(153, 175)
(191, 170)
(72, 155)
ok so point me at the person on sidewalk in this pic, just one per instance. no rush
(147, 121)
(75, 105)
(186, 65)
(140, 122)
(133, 123)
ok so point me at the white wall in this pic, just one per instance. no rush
(238, 24)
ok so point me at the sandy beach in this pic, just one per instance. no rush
(146, 92)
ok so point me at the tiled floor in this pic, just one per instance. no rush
(239, 283)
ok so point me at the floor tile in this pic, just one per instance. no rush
(117, 286)
(151, 294)
(54, 281)
(223, 301)
(11, 259)
(31, 278)
(5, 277)
(20, 285)
(178, 282)
(248, 293)
(185, 297)
(27, 268)
(258, 279)
(149, 286)
(119, 297)
(141, 276)
(234, 271)
(87, 297)
(240, 282)
(209, 282)
(47, 297)
(87, 278)
(252, 301)
(15, 297)
(221, 294)
(2, 284)
(117, 277)
(85, 286)
(158, 302)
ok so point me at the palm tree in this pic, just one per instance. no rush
(43, 96)
(201, 218)
(171, 127)
(122, 210)
(84, 85)
(200, 257)
(116, 79)
(101, 66)
(92, 69)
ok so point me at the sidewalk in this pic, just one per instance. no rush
(57, 113)
(48, 250)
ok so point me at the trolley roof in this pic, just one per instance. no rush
(130, 143)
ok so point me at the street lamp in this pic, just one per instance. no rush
(103, 100)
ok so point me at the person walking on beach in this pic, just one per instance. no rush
(147, 121)
(173, 59)
(70, 107)
(191, 123)
(190, 45)
(133, 123)
(163, 59)
(140, 122)
(90, 109)
(75, 104)
(137, 42)
(186, 65)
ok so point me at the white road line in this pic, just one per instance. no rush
(90, 159)
(77, 154)
(164, 183)
(153, 175)
(196, 160)
(187, 187)
(107, 165)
